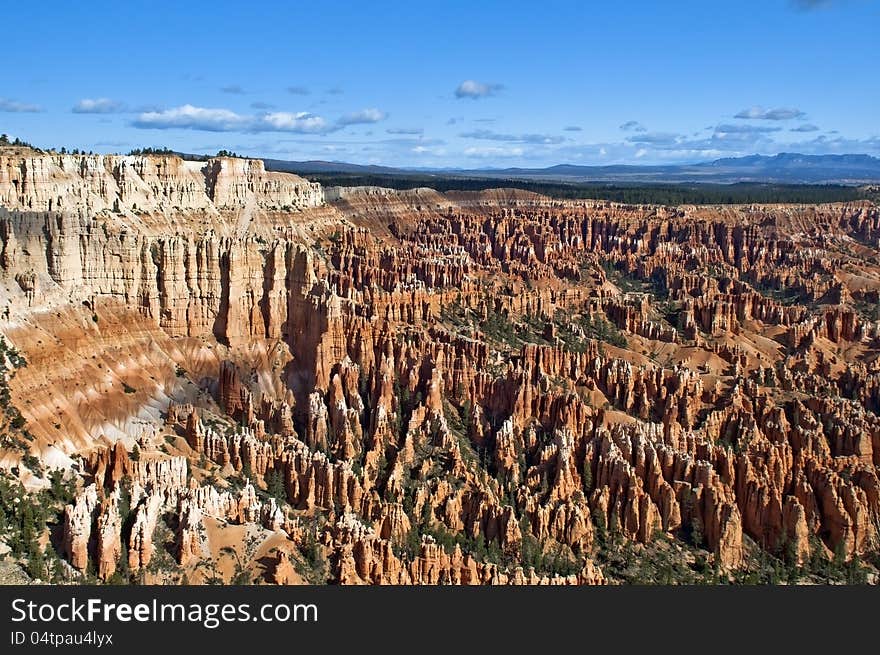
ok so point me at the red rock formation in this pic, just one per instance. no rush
(78, 521)
(437, 383)
(284, 572)
(109, 536)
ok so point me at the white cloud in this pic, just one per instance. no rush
(778, 114)
(282, 121)
(745, 129)
(15, 107)
(482, 152)
(193, 118)
(726, 137)
(489, 135)
(190, 117)
(98, 106)
(474, 90)
(823, 145)
(655, 138)
(364, 116)
(405, 130)
(633, 126)
(426, 150)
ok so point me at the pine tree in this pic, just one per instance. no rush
(275, 486)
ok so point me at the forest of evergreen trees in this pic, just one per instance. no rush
(662, 194)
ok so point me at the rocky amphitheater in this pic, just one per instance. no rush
(212, 372)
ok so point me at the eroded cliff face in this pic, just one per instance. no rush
(181, 242)
(46, 182)
(408, 387)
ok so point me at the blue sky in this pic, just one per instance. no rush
(447, 83)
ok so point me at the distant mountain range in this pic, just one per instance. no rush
(784, 168)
